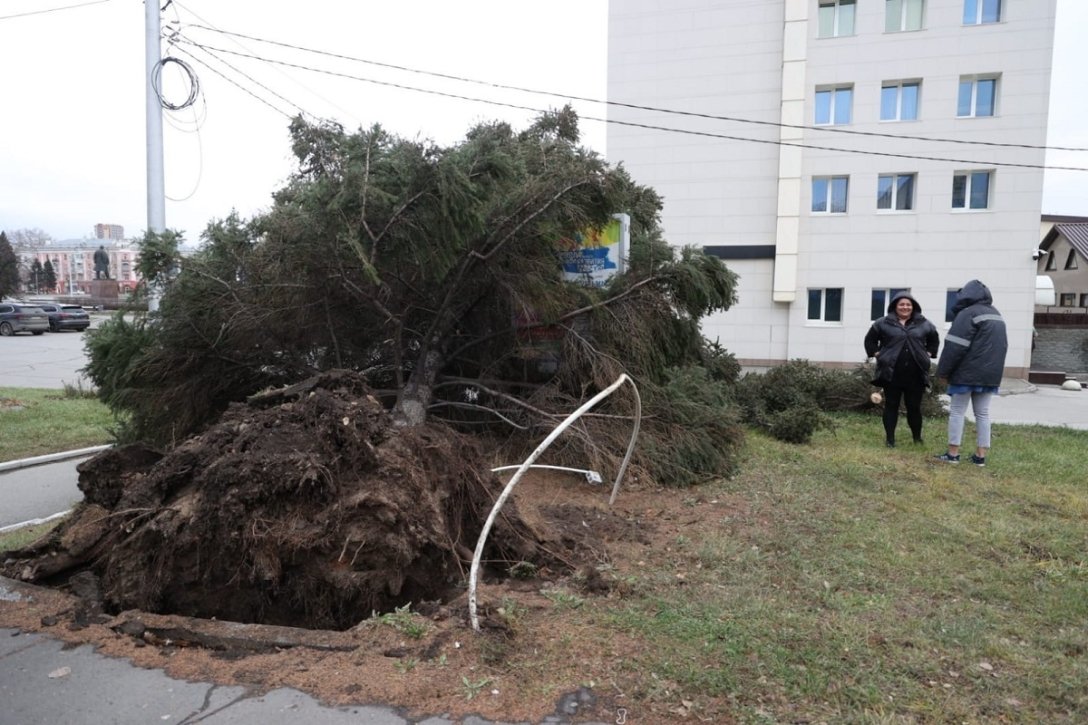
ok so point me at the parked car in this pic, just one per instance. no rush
(18, 317)
(66, 317)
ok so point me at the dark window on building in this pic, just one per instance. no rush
(950, 298)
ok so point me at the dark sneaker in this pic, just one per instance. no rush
(948, 458)
(889, 443)
(919, 442)
(977, 460)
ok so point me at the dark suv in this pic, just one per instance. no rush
(66, 317)
(19, 317)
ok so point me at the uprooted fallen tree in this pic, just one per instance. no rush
(404, 304)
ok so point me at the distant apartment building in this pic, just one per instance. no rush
(109, 231)
(833, 152)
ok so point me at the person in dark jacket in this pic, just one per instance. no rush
(902, 342)
(972, 362)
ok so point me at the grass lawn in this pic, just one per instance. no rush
(848, 583)
(36, 421)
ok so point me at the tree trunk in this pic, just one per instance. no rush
(415, 398)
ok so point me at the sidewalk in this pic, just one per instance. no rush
(1022, 403)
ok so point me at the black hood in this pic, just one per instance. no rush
(972, 293)
(902, 295)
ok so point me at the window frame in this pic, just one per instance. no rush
(1071, 260)
(836, 18)
(899, 86)
(829, 195)
(1051, 262)
(973, 101)
(902, 23)
(969, 190)
(893, 200)
(974, 12)
(1067, 299)
(823, 296)
(1083, 299)
(834, 104)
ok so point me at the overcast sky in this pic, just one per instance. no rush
(73, 118)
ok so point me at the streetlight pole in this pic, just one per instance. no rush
(156, 184)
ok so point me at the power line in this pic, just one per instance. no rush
(52, 10)
(707, 134)
(253, 80)
(234, 83)
(633, 106)
(213, 28)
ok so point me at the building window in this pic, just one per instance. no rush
(899, 100)
(902, 15)
(950, 297)
(977, 12)
(829, 194)
(1083, 300)
(836, 18)
(1051, 262)
(971, 190)
(1067, 299)
(895, 191)
(833, 104)
(1071, 260)
(825, 305)
(977, 97)
(880, 300)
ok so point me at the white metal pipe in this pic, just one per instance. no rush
(630, 446)
(478, 555)
(591, 476)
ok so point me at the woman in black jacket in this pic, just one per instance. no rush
(903, 342)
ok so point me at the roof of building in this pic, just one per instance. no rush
(1077, 234)
(1060, 218)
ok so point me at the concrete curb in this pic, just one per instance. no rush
(51, 458)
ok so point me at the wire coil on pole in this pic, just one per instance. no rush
(194, 83)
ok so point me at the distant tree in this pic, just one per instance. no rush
(37, 276)
(9, 268)
(49, 277)
(28, 238)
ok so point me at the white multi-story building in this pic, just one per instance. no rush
(838, 151)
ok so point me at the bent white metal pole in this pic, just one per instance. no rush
(630, 446)
(473, 573)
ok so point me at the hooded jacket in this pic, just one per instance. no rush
(887, 340)
(975, 347)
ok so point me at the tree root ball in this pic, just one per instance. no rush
(311, 511)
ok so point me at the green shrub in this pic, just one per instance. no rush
(696, 433)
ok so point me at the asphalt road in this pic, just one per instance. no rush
(51, 360)
(37, 492)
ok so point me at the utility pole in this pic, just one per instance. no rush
(156, 184)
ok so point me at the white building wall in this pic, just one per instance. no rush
(738, 186)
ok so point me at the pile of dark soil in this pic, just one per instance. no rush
(303, 507)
